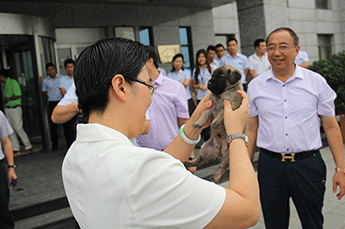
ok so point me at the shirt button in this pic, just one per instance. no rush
(286, 134)
(287, 150)
(284, 100)
(285, 117)
(283, 85)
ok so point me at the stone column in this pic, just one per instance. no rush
(257, 18)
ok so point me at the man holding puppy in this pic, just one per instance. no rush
(286, 106)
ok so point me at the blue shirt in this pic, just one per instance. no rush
(301, 57)
(289, 112)
(66, 82)
(51, 86)
(240, 62)
(181, 76)
(203, 79)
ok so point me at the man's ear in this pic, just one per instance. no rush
(118, 87)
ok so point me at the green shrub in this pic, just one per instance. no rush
(333, 70)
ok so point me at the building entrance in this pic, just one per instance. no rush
(18, 56)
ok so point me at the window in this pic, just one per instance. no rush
(322, 4)
(186, 47)
(146, 36)
(325, 46)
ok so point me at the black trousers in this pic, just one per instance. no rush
(54, 136)
(6, 220)
(302, 180)
(69, 129)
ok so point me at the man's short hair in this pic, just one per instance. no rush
(50, 65)
(292, 33)
(5, 73)
(69, 61)
(211, 47)
(97, 65)
(153, 55)
(231, 39)
(257, 42)
(219, 45)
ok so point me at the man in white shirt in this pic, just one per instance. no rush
(211, 57)
(258, 62)
(237, 60)
(302, 59)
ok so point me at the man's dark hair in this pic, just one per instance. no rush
(292, 33)
(153, 55)
(257, 42)
(50, 65)
(219, 45)
(174, 58)
(211, 47)
(69, 61)
(99, 63)
(5, 73)
(231, 39)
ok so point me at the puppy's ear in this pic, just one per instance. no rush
(234, 77)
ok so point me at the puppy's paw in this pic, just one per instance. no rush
(196, 126)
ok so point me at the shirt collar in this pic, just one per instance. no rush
(95, 132)
(159, 80)
(296, 74)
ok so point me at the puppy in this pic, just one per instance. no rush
(223, 85)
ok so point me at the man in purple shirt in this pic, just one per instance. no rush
(168, 110)
(286, 106)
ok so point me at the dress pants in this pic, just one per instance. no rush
(69, 129)
(15, 118)
(54, 136)
(6, 220)
(302, 180)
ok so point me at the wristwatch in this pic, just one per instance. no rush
(340, 170)
(238, 136)
(11, 166)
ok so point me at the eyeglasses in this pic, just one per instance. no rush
(282, 48)
(151, 86)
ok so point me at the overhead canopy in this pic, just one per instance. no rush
(187, 3)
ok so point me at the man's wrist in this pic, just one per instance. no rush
(342, 170)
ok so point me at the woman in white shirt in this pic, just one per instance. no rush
(183, 76)
(110, 183)
(202, 73)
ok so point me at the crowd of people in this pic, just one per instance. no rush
(138, 129)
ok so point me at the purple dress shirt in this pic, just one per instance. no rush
(168, 104)
(289, 112)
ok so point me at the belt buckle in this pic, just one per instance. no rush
(292, 157)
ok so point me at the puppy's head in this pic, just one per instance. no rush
(222, 77)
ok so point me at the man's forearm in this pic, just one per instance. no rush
(62, 114)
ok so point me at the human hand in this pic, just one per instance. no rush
(235, 120)
(203, 87)
(339, 180)
(11, 174)
(203, 105)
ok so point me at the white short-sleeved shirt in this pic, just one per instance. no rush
(240, 62)
(110, 183)
(66, 82)
(289, 112)
(181, 76)
(203, 78)
(161, 70)
(5, 130)
(70, 97)
(301, 57)
(51, 86)
(259, 65)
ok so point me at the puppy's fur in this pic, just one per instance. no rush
(223, 85)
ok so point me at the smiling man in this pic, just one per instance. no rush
(286, 106)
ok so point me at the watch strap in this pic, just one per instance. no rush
(238, 136)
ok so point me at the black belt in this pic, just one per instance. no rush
(291, 156)
(12, 106)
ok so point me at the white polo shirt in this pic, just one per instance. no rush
(259, 65)
(110, 183)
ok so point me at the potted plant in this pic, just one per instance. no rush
(333, 70)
